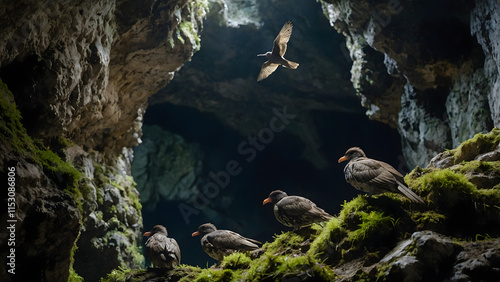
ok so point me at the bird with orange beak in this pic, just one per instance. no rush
(220, 243)
(162, 251)
(295, 211)
(374, 177)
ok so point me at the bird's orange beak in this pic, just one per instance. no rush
(147, 233)
(268, 200)
(344, 158)
(195, 234)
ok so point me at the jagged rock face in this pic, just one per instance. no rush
(441, 87)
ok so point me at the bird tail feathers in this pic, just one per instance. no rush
(409, 193)
(290, 64)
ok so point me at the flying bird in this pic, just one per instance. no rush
(220, 243)
(374, 177)
(163, 252)
(275, 58)
(295, 211)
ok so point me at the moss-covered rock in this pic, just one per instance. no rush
(46, 196)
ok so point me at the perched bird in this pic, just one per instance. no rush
(374, 177)
(295, 211)
(163, 252)
(220, 243)
(275, 58)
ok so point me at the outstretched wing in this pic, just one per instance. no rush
(267, 69)
(281, 40)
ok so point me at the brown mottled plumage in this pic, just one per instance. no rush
(163, 252)
(220, 243)
(275, 58)
(374, 177)
(295, 211)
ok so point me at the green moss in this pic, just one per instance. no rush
(479, 144)
(332, 232)
(14, 134)
(428, 217)
(281, 267)
(187, 28)
(236, 261)
(491, 168)
(285, 243)
(300, 265)
(12, 131)
(63, 174)
(488, 172)
(73, 276)
(446, 188)
(136, 252)
(121, 274)
(223, 275)
(372, 223)
(352, 206)
(185, 273)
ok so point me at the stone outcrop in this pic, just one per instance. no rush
(427, 70)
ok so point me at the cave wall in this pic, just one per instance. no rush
(428, 68)
(80, 74)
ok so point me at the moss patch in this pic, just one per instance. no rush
(479, 144)
(236, 261)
